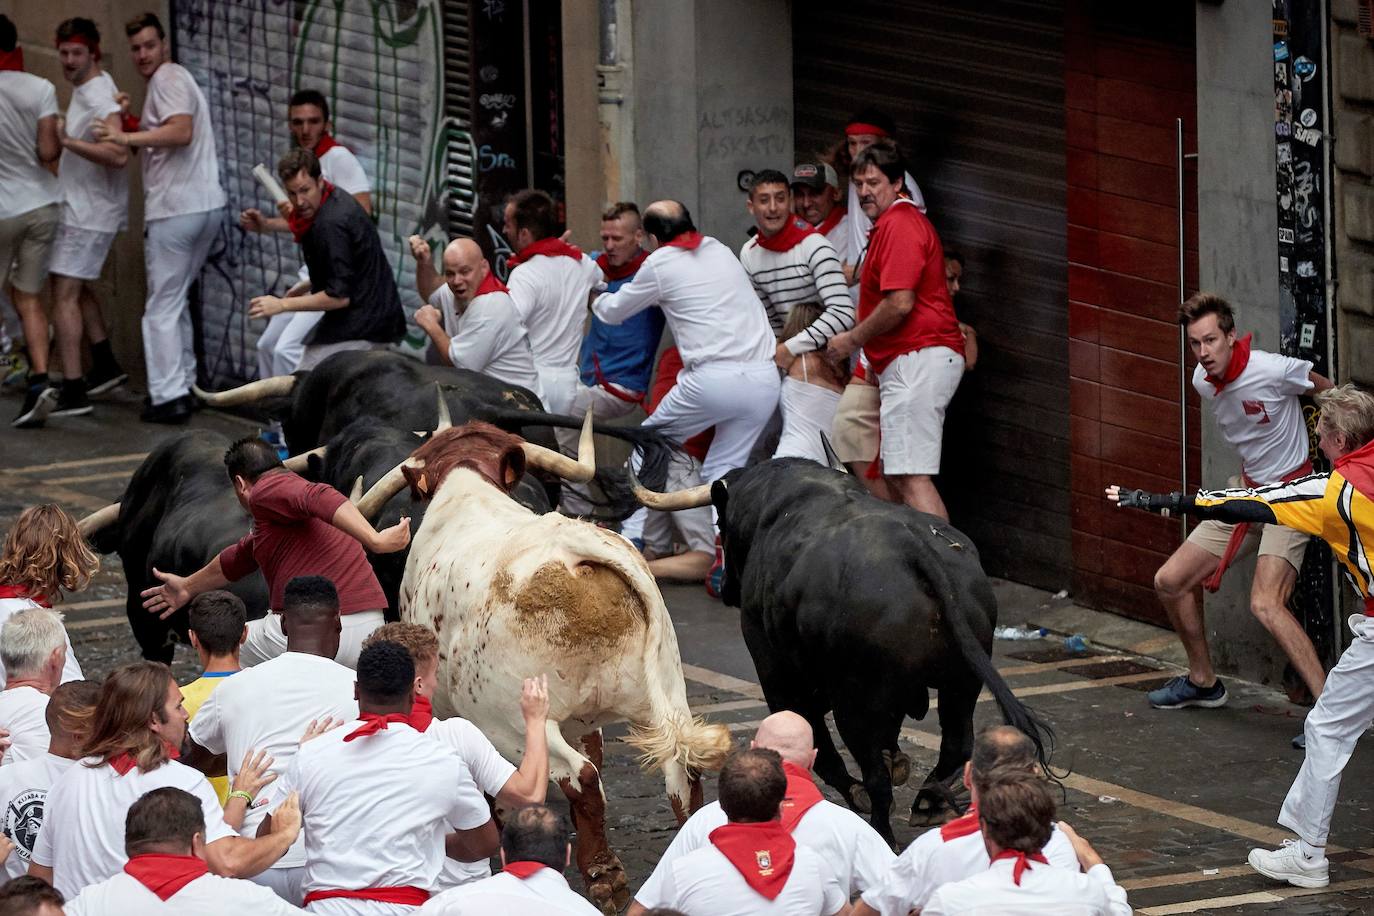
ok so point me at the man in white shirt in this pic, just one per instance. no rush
(24, 786)
(282, 344)
(956, 850)
(137, 728)
(382, 804)
(164, 837)
(470, 317)
(182, 200)
(269, 706)
(1254, 397)
(33, 645)
(752, 865)
(729, 380)
(535, 849)
(816, 199)
(1016, 811)
(28, 208)
(95, 204)
(856, 854)
(549, 281)
(27, 896)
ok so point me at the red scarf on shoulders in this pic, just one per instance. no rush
(376, 722)
(786, 238)
(12, 60)
(421, 714)
(299, 227)
(961, 826)
(550, 247)
(490, 284)
(627, 269)
(1023, 861)
(837, 213)
(19, 591)
(802, 795)
(123, 762)
(1240, 358)
(326, 143)
(165, 875)
(522, 870)
(689, 240)
(761, 853)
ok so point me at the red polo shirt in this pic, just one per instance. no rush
(292, 536)
(905, 253)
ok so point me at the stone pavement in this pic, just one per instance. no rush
(1172, 800)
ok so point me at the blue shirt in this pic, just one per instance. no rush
(625, 352)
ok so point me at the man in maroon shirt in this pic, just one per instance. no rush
(299, 529)
(910, 338)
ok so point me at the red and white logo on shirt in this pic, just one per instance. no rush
(1256, 408)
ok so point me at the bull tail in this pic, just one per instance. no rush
(691, 741)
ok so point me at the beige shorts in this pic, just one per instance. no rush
(25, 244)
(856, 423)
(1272, 540)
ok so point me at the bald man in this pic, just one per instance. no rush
(855, 853)
(476, 307)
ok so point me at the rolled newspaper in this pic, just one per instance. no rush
(266, 179)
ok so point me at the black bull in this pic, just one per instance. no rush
(860, 606)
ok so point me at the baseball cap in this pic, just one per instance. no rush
(815, 175)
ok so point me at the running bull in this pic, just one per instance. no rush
(512, 594)
(858, 606)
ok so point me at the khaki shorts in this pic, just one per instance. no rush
(1272, 540)
(856, 423)
(25, 243)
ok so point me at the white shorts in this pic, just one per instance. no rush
(79, 253)
(266, 640)
(915, 389)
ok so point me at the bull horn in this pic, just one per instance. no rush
(832, 459)
(580, 471)
(99, 519)
(690, 498)
(301, 462)
(445, 420)
(276, 386)
(393, 482)
(355, 496)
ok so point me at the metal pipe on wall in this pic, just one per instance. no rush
(1182, 331)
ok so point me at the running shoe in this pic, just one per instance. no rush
(105, 378)
(72, 400)
(38, 403)
(1287, 863)
(1179, 692)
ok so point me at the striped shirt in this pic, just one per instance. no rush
(809, 271)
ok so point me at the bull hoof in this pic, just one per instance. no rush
(898, 766)
(606, 885)
(858, 799)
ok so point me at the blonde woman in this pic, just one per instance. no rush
(44, 555)
(810, 393)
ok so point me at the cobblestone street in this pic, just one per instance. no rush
(1172, 800)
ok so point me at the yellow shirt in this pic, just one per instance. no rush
(192, 696)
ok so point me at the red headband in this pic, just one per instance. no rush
(859, 127)
(81, 40)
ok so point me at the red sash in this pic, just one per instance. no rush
(961, 826)
(761, 853)
(1240, 358)
(406, 896)
(689, 240)
(375, 722)
(551, 247)
(421, 714)
(1023, 861)
(299, 227)
(327, 143)
(123, 762)
(1242, 529)
(802, 795)
(837, 213)
(786, 238)
(19, 591)
(522, 870)
(628, 269)
(165, 875)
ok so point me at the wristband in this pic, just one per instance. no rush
(239, 793)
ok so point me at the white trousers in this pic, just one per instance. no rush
(282, 344)
(266, 640)
(1343, 712)
(557, 386)
(174, 250)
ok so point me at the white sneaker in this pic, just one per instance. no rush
(1287, 863)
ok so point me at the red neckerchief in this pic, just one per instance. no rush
(299, 227)
(522, 870)
(786, 238)
(961, 826)
(405, 896)
(1357, 468)
(837, 213)
(627, 269)
(802, 795)
(325, 144)
(551, 247)
(421, 714)
(1023, 861)
(1240, 358)
(123, 762)
(375, 722)
(12, 60)
(859, 127)
(19, 591)
(689, 240)
(165, 875)
(490, 284)
(762, 853)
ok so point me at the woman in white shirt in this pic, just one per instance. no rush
(44, 555)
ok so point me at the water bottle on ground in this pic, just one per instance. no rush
(1019, 632)
(1076, 643)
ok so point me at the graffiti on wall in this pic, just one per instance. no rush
(379, 63)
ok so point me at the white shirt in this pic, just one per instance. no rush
(550, 295)
(707, 298)
(839, 239)
(490, 772)
(1259, 413)
(24, 99)
(82, 839)
(809, 271)
(856, 855)
(94, 196)
(71, 668)
(545, 891)
(704, 883)
(23, 711)
(268, 707)
(488, 337)
(859, 223)
(208, 895)
(375, 810)
(23, 792)
(342, 169)
(931, 861)
(1043, 889)
(179, 180)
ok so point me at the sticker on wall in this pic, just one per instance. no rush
(1306, 269)
(745, 180)
(1280, 50)
(1283, 264)
(1307, 135)
(1308, 117)
(1285, 236)
(1285, 153)
(1308, 336)
(1304, 69)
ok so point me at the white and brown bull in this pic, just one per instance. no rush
(512, 594)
